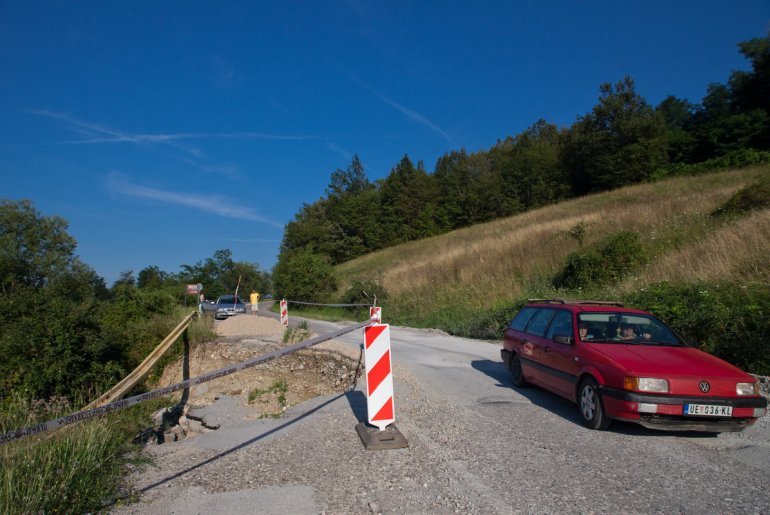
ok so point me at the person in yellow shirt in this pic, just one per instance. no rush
(254, 300)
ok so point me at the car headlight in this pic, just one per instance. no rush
(646, 384)
(747, 388)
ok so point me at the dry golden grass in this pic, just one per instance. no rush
(738, 251)
(500, 259)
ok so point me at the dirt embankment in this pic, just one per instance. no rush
(269, 388)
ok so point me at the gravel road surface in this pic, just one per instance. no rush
(476, 445)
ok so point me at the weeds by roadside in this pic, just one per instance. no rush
(78, 468)
(278, 390)
(74, 470)
(296, 334)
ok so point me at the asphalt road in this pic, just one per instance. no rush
(476, 445)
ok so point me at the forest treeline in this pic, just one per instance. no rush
(63, 332)
(623, 140)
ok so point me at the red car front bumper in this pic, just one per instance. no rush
(667, 411)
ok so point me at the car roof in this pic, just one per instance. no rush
(577, 306)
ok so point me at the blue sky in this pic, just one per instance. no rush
(163, 131)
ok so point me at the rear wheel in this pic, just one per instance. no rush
(517, 376)
(590, 405)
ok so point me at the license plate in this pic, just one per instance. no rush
(708, 410)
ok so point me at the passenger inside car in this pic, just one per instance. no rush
(627, 332)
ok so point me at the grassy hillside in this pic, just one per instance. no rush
(470, 281)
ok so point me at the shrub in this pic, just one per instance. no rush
(735, 159)
(364, 291)
(604, 263)
(304, 276)
(728, 320)
(491, 323)
(753, 197)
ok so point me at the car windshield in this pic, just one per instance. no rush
(229, 299)
(631, 328)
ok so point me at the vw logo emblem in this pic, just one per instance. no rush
(704, 386)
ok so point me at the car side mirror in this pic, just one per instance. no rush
(564, 340)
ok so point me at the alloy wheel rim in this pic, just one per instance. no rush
(587, 403)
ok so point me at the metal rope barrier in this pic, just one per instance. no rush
(161, 392)
(329, 305)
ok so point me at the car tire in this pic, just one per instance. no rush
(517, 376)
(590, 406)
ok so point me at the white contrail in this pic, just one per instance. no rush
(412, 115)
(217, 205)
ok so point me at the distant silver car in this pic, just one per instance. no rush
(227, 306)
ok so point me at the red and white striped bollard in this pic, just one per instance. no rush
(284, 314)
(379, 376)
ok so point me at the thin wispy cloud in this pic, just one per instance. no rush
(101, 134)
(97, 133)
(227, 169)
(409, 113)
(280, 107)
(224, 75)
(339, 150)
(162, 138)
(168, 144)
(217, 205)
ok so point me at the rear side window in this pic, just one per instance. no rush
(520, 321)
(561, 325)
(540, 321)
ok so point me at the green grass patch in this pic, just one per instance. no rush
(751, 198)
(279, 389)
(76, 469)
(328, 314)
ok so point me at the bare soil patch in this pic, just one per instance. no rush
(270, 388)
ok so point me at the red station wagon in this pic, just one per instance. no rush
(625, 364)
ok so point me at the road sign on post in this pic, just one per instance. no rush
(284, 314)
(194, 289)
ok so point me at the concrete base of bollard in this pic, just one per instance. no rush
(374, 439)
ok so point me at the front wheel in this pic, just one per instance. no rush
(590, 405)
(517, 376)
